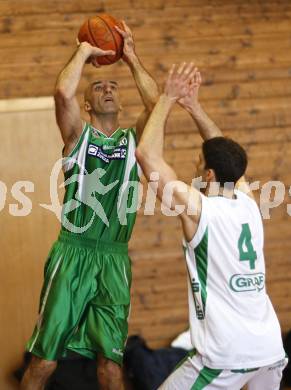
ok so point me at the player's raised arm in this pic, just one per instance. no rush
(146, 84)
(150, 152)
(207, 128)
(67, 107)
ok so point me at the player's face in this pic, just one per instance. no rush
(104, 97)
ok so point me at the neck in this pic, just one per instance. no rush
(107, 123)
(213, 189)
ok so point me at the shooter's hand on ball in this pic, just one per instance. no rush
(92, 53)
(128, 45)
(179, 81)
(191, 102)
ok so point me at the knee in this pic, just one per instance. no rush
(41, 368)
(108, 371)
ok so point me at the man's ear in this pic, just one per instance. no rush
(87, 106)
(210, 175)
(120, 108)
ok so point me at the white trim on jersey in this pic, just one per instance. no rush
(202, 225)
(131, 161)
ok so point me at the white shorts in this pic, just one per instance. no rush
(192, 375)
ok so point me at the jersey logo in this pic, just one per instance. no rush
(108, 147)
(247, 282)
(123, 141)
(119, 153)
(117, 351)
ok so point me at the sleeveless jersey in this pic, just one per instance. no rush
(101, 185)
(232, 321)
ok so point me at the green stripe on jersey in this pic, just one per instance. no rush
(205, 377)
(201, 252)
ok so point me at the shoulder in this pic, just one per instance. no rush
(207, 202)
(75, 143)
(130, 134)
(241, 195)
(129, 130)
(250, 204)
(203, 222)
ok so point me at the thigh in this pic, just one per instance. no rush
(113, 280)
(104, 326)
(193, 375)
(183, 377)
(268, 378)
(103, 331)
(65, 294)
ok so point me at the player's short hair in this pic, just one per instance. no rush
(226, 157)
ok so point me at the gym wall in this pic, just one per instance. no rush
(243, 50)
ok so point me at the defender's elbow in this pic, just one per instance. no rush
(143, 156)
(139, 154)
(147, 160)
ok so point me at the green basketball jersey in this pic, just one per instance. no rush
(101, 182)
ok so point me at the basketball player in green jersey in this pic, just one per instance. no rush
(233, 325)
(85, 300)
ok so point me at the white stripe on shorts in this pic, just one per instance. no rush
(44, 303)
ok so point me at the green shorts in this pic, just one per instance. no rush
(85, 300)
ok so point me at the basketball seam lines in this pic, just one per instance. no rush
(91, 34)
(109, 28)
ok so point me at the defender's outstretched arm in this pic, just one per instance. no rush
(150, 152)
(207, 128)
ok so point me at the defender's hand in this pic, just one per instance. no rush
(128, 42)
(179, 81)
(190, 101)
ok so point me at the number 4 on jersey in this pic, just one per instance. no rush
(245, 246)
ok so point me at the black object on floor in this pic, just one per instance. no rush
(147, 368)
(287, 371)
(76, 373)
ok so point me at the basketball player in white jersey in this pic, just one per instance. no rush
(234, 330)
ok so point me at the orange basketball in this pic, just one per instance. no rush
(99, 31)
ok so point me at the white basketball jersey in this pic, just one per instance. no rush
(232, 320)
